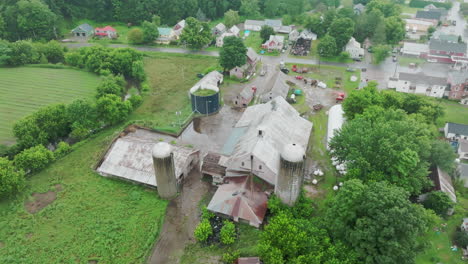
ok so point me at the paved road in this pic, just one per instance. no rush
(459, 29)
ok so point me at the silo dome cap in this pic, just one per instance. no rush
(293, 152)
(162, 150)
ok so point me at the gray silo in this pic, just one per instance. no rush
(163, 162)
(291, 173)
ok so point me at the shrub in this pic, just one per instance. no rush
(135, 100)
(11, 178)
(439, 202)
(207, 214)
(111, 85)
(230, 257)
(228, 233)
(461, 238)
(34, 159)
(203, 231)
(135, 36)
(63, 148)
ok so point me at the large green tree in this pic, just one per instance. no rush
(443, 156)
(378, 221)
(35, 20)
(387, 7)
(395, 29)
(233, 53)
(111, 85)
(266, 32)
(439, 202)
(385, 145)
(150, 31)
(249, 8)
(342, 30)
(231, 18)
(327, 46)
(112, 110)
(196, 34)
(381, 52)
(314, 23)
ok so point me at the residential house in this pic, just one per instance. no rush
(279, 88)
(429, 15)
(234, 30)
(248, 68)
(359, 9)
(417, 25)
(166, 35)
(219, 29)
(458, 84)
(429, 7)
(83, 30)
(293, 35)
(444, 51)
(455, 131)
(354, 49)
(274, 43)
(106, 31)
(285, 29)
(463, 175)
(443, 182)
(276, 24)
(254, 148)
(220, 39)
(463, 149)
(419, 83)
(253, 25)
(244, 98)
(415, 49)
(179, 28)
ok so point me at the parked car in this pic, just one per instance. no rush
(350, 70)
(286, 71)
(200, 75)
(394, 59)
(357, 59)
(432, 60)
(299, 77)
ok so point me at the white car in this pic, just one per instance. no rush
(432, 60)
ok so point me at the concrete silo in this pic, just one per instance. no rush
(291, 173)
(163, 162)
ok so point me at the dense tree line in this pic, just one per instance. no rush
(26, 52)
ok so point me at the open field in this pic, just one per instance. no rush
(26, 89)
(93, 219)
(170, 77)
(405, 61)
(454, 112)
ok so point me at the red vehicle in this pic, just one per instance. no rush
(299, 77)
(294, 68)
(340, 97)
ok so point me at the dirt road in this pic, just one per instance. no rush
(180, 222)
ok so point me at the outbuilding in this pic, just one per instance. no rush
(204, 95)
(83, 31)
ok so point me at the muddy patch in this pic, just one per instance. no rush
(41, 200)
(312, 191)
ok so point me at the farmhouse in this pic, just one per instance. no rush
(244, 98)
(444, 51)
(415, 49)
(254, 25)
(248, 68)
(256, 149)
(354, 49)
(279, 88)
(179, 27)
(83, 30)
(130, 158)
(274, 43)
(429, 15)
(458, 85)
(219, 29)
(419, 83)
(106, 31)
(454, 131)
(232, 32)
(166, 35)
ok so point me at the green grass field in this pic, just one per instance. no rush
(26, 89)
(454, 112)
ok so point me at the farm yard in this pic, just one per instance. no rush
(43, 86)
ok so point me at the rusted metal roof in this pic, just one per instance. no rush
(213, 164)
(240, 198)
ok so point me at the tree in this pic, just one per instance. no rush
(378, 221)
(11, 178)
(63, 148)
(138, 71)
(387, 7)
(271, 8)
(35, 20)
(342, 30)
(231, 18)
(52, 51)
(203, 231)
(112, 110)
(233, 53)
(82, 113)
(461, 238)
(346, 12)
(249, 8)
(266, 32)
(156, 20)
(22, 52)
(34, 159)
(385, 145)
(136, 36)
(380, 36)
(111, 85)
(443, 156)
(381, 52)
(395, 29)
(228, 233)
(439, 202)
(314, 24)
(327, 46)
(150, 32)
(196, 34)
(2, 27)
(4, 52)
(200, 15)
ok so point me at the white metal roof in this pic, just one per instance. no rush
(209, 81)
(335, 120)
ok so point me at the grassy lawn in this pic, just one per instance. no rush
(328, 73)
(26, 89)
(93, 218)
(255, 42)
(405, 61)
(454, 112)
(121, 28)
(314, 54)
(407, 9)
(170, 77)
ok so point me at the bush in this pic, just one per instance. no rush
(135, 100)
(230, 257)
(111, 85)
(228, 233)
(135, 36)
(11, 178)
(461, 238)
(344, 56)
(34, 159)
(439, 202)
(206, 214)
(63, 148)
(203, 231)
(112, 110)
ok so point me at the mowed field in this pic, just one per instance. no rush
(25, 89)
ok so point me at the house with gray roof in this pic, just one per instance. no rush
(429, 14)
(458, 85)
(463, 175)
(448, 37)
(444, 51)
(219, 29)
(253, 25)
(455, 131)
(276, 24)
(279, 88)
(419, 83)
(83, 31)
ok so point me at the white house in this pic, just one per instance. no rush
(354, 49)
(254, 25)
(234, 30)
(274, 43)
(419, 83)
(463, 149)
(219, 29)
(456, 131)
(179, 27)
(414, 49)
